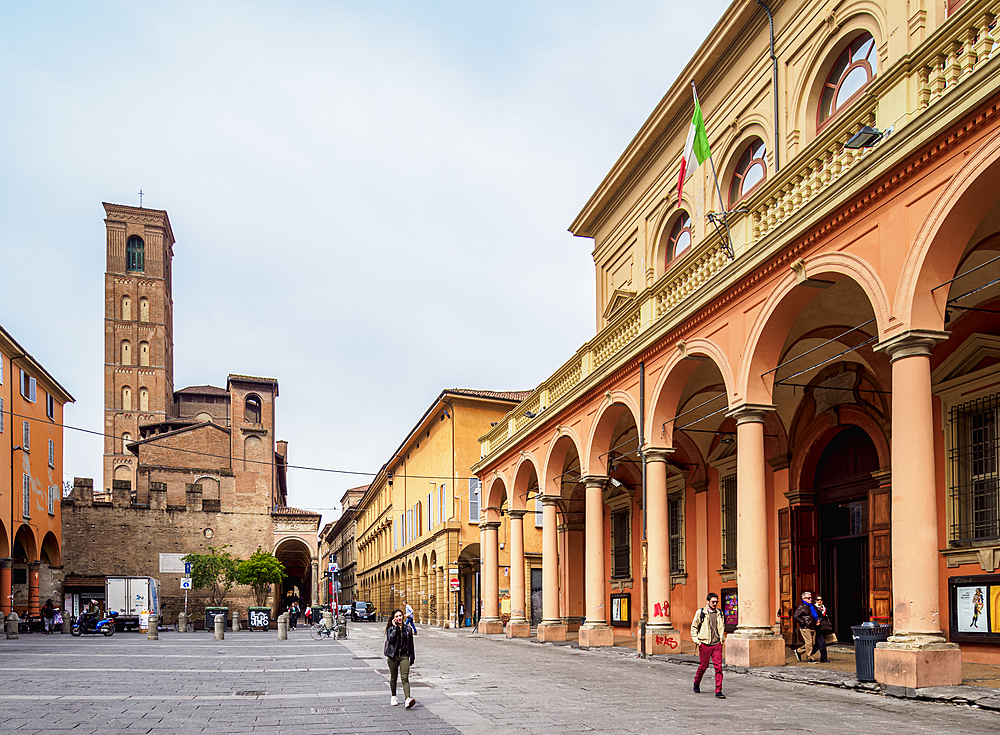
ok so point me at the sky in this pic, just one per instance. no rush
(370, 199)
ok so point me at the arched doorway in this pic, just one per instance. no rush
(296, 557)
(845, 496)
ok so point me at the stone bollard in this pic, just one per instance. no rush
(182, 623)
(236, 621)
(282, 627)
(152, 632)
(67, 623)
(328, 619)
(12, 623)
(220, 628)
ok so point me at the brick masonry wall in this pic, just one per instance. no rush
(101, 539)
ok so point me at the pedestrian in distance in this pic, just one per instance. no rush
(806, 616)
(461, 614)
(824, 628)
(708, 631)
(399, 655)
(409, 618)
(48, 616)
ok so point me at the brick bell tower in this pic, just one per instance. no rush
(138, 332)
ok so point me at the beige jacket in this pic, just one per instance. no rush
(700, 630)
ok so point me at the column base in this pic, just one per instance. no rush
(552, 631)
(490, 626)
(909, 667)
(598, 634)
(754, 648)
(518, 629)
(662, 640)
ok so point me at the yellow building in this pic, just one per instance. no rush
(418, 524)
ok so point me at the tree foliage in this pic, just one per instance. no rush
(217, 571)
(260, 571)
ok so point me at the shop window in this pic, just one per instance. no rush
(135, 254)
(851, 73)
(973, 450)
(621, 538)
(680, 237)
(727, 491)
(675, 527)
(750, 172)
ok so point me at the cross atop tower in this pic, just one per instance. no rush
(140, 198)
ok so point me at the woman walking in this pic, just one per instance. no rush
(399, 656)
(48, 616)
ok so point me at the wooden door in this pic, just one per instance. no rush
(785, 573)
(880, 553)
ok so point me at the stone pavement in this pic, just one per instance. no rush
(251, 683)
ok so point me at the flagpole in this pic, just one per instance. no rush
(718, 189)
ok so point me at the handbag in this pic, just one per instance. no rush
(831, 638)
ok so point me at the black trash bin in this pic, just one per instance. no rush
(866, 636)
(211, 613)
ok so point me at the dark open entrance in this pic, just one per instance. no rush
(845, 486)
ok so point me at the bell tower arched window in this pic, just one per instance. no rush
(143, 399)
(851, 73)
(751, 170)
(144, 353)
(143, 310)
(135, 254)
(251, 412)
(126, 352)
(126, 308)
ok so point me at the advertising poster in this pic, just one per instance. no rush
(731, 608)
(995, 609)
(971, 604)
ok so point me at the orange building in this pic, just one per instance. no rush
(31, 448)
(794, 384)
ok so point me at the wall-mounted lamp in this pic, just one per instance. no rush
(864, 138)
(390, 479)
(616, 482)
(727, 439)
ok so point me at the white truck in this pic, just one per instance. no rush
(134, 598)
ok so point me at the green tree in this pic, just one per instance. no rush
(216, 571)
(260, 571)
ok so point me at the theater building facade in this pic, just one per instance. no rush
(795, 379)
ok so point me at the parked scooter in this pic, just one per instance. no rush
(106, 625)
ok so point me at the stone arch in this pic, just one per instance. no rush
(24, 541)
(607, 417)
(494, 498)
(4, 540)
(51, 554)
(527, 468)
(863, 16)
(954, 217)
(565, 444)
(669, 387)
(785, 302)
(253, 453)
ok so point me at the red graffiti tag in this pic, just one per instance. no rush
(663, 640)
(661, 610)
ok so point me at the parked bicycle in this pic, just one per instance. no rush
(338, 631)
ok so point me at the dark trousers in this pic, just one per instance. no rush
(820, 645)
(399, 666)
(713, 654)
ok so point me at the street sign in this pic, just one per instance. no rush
(454, 584)
(185, 583)
(453, 571)
(187, 569)
(334, 567)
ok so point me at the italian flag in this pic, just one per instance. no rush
(696, 150)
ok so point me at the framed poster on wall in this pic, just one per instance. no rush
(730, 604)
(621, 609)
(974, 609)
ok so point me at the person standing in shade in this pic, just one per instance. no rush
(461, 614)
(48, 616)
(806, 616)
(293, 614)
(409, 618)
(708, 631)
(399, 655)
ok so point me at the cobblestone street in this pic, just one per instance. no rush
(250, 683)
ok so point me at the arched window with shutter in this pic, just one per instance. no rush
(135, 254)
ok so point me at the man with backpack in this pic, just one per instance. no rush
(708, 631)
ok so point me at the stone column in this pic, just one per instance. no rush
(518, 627)
(490, 621)
(661, 636)
(754, 642)
(551, 628)
(33, 605)
(596, 631)
(315, 580)
(5, 585)
(917, 654)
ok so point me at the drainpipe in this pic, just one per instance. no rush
(774, 79)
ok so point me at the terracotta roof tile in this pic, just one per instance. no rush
(203, 390)
(286, 510)
(506, 395)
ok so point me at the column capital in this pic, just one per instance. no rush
(657, 454)
(488, 525)
(35, 564)
(592, 480)
(549, 499)
(911, 343)
(7, 563)
(517, 514)
(750, 413)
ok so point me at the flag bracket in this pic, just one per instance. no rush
(721, 222)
